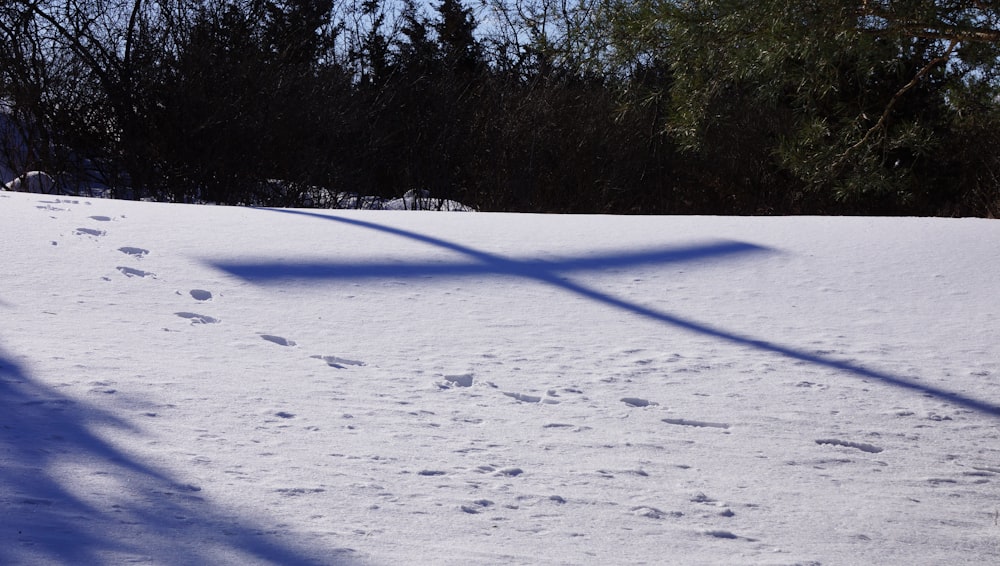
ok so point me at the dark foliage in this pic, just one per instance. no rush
(553, 106)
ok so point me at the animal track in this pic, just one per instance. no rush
(101, 218)
(336, 362)
(278, 340)
(870, 448)
(132, 272)
(137, 252)
(196, 318)
(91, 232)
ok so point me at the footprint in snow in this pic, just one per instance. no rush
(460, 380)
(477, 506)
(699, 424)
(135, 252)
(525, 398)
(132, 272)
(727, 535)
(90, 232)
(101, 218)
(509, 472)
(637, 402)
(281, 341)
(196, 318)
(654, 513)
(337, 362)
(201, 295)
(298, 491)
(102, 387)
(869, 448)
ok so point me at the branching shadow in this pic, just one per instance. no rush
(554, 273)
(70, 497)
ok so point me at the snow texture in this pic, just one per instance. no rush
(207, 385)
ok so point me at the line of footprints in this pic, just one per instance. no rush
(448, 382)
(200, 295)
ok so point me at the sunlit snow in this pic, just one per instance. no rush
(187, 384)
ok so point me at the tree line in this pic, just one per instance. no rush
(618, 106)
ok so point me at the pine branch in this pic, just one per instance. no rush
(884, 118)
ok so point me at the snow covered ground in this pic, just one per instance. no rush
(206, 385)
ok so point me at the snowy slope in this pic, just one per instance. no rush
(194, 385)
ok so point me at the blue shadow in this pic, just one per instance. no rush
(265, 272)
(553, 273)
(44, 519)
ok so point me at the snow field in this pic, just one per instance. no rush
(189, 384)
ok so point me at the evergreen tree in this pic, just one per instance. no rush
(456, 35)
(854, 98)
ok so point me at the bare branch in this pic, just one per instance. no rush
(934, 29)
(884, 118)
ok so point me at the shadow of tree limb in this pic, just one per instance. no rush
(553, 273)
(71, 497)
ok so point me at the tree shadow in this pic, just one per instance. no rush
(554, 273)
(71, 497)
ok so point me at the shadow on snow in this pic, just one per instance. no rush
(553, 273)
(70, 497)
